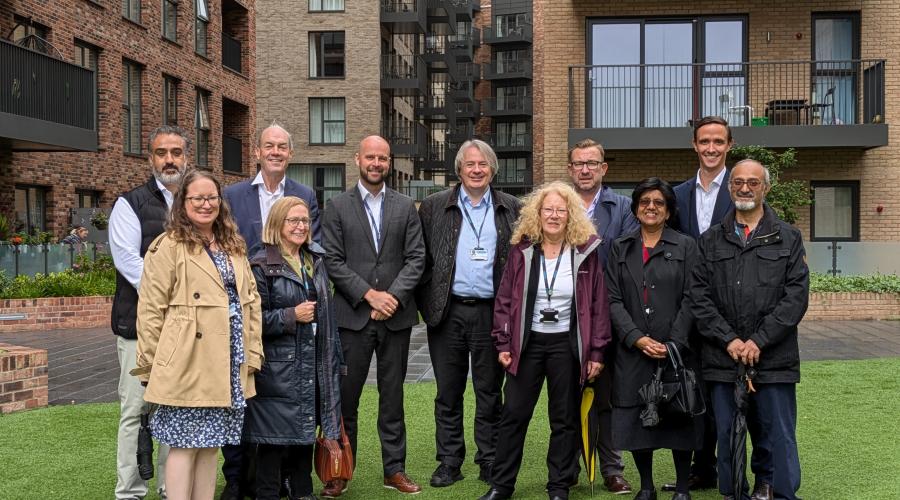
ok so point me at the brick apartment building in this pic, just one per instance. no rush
(85, 81)
(426, 74)
(823, 74)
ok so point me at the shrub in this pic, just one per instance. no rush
(68, 283)
(876, 283)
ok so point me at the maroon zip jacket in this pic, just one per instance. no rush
(591, 305)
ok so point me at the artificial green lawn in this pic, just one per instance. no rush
(849, 423)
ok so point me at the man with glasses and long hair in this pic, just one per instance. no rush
(612, 217)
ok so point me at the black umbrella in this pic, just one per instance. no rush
(145, 448)
(743, 386)
(651, 394)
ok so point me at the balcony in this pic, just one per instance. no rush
(520, 34)
(46, 104)
(433, 106)
(407, 139)
(463, 91)
(231, 52)
(466, 71)
(404, 16)
(799, 104)
(471, 110)
(510, 143)
(508, 70)
(404, 75)
(437, 52)
(516, 105)
(438, 157)
(462, 45)
(459, 135)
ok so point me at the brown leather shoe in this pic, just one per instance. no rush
(617, 485)
(401, 482)
(763, 491)
(334, 489)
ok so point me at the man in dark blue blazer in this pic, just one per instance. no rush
(703, 201)
(250, 200)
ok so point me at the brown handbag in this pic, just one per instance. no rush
(333, 458)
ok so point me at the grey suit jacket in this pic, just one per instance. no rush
(355, 267)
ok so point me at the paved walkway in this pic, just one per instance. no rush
(84, 367)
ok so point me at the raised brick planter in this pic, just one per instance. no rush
(834, 306)
(23, 378)
(54, 313)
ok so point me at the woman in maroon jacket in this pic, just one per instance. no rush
(551, 320)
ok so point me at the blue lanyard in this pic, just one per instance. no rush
(469, 218)
(372, 220)
(549, 287)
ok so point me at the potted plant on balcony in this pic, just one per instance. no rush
(100, 220)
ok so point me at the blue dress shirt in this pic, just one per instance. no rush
(475, 278)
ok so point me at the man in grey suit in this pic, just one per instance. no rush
(375, 255)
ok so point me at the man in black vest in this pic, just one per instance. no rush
(137, 219)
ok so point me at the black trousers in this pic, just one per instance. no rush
(705, 462)
(391, 349)
(273, 460)
(550, 356)
(465, 334)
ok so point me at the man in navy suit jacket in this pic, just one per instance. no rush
(250, 200)
(703, 201)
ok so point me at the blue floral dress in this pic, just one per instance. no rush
(184, 427)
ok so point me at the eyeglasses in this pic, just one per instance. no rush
(751, 183)
(199, 201)
(550, 212)
(591, 165)
(297, 221)
(646, 202)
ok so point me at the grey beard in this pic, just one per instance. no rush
(745, 205)
(168, 179)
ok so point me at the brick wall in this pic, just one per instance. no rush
(23, 378)
(100, 23)
(559, 41)
(852, 306)
(56, 313)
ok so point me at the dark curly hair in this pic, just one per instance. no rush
(180, 228)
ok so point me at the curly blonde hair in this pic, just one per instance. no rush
(180, 228)
(578, 227)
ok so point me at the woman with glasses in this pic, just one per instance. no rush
(551, 321)
(648, 276)
(299, 385)
(198, 324)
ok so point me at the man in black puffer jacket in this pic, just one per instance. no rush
(748, 296)
(467, 230)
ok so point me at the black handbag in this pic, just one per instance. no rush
(682, 394)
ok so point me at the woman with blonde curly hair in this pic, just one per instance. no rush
(551, 321)
(199, 339)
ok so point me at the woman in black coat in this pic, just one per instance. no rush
(298, 387)
(648, 277)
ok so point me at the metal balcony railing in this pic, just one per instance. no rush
(231, 52)
(744, 93)
(505, 142)
(507, 34)
(41, 87)
(399, 6)
(508, 105)
(407, 138)
(497, 70)
(401, 67)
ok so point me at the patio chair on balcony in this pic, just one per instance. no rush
(827, 103)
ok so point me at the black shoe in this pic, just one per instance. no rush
(645, 495)
(763, 491)
(494, 494)
(487, 469)
(695, 482)
(232, 491)
(445, 475)
(681, 496)
(557, 497)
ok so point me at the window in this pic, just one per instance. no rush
(131, 106)
(201, 127)
(667, 92)
(170, 19)
(510, 25)
(26, 27)
(88, 198)
(512, 134)
(512, 98)
(512, 171)
(511, 61)
(623, 188)
(131, 10)
(86, 55)
(201, 26)
(31, 208)
(326, 54)
(834, 213)
(326, 180)
(326, 120)
(326, 5)
(834, 83)
(170, 100)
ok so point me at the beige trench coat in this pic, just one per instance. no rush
(183, 350)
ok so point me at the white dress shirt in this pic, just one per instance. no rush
(706, 200)
(267, 198)
(125, 238)
(373, 214)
